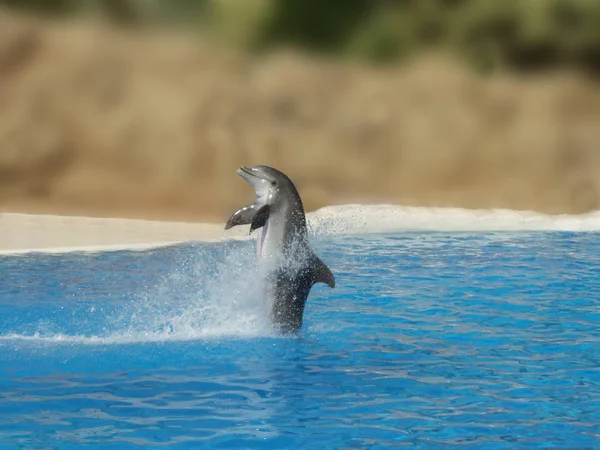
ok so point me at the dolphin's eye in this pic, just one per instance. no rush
(273, 183)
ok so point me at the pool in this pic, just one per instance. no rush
(430, 339)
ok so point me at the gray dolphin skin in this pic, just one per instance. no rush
(289, 265)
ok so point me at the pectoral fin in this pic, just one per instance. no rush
(242, 217)
(260, 218)
(321, 273)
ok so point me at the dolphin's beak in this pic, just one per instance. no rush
(252, 175)
(245, 172)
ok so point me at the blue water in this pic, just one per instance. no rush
(472, 340)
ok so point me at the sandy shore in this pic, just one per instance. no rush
(21, 233)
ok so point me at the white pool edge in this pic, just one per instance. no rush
(30, 233)
(91, 248)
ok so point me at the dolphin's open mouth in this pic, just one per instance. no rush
(244, 172)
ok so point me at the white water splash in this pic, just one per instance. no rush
(365, 219)
(207, 296)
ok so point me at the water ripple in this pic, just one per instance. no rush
(430, 340)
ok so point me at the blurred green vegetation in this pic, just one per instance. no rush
(491, 35)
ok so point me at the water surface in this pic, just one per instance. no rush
(474, 340)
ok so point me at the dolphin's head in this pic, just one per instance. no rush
(271, 185)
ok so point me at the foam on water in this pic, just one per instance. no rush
(211, 291)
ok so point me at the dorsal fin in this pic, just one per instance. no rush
(321, 273)
(260, 218)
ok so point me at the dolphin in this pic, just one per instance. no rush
(289, 266)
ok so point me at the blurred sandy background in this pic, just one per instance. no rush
(116, 111)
